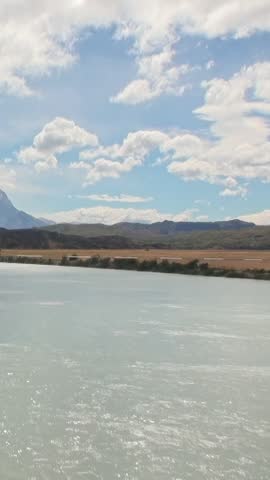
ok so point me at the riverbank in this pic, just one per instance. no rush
(194, 267)
(216, 258)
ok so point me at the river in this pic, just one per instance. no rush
(134, 376)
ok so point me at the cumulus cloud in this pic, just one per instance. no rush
(56, 137)
(202, 218)
(239, 147)
(38, 37)
(260, 218)
(235, 151)
(30, 45)
(115, 160)
(122, 198)
(110, 216)
(157, 76)
(234, 192)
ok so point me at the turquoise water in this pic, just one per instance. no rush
(137, 376)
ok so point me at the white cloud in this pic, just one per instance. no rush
(31, 45)
(260, 218)
(236, 151)
(109, 215)
(240, 146)
(115, 160)
(56, 137)
(234, 192)
(39, 36)
(7, 178)
(138, 91)
(122, 198)
(103, 168)
(210, 65)
(157, 76)
(202, 218)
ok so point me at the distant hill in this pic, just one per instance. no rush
(254, 238)
(39, 239)
(233, 234)
(12, 218)
(143, 231)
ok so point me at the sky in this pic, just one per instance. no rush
(124, 110)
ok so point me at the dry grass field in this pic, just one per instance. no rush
(237, 259)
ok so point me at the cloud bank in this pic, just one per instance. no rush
(122, 198)
(110, 216)
(235, 151)
(56, 137)
(7, 178)
(260, 218)
(38, 36)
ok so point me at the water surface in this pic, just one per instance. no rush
(135, 376)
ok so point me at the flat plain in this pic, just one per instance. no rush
(236, 259)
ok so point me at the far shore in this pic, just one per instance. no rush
(218, 263)
(227, 259)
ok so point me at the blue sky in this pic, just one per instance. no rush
(118, 111)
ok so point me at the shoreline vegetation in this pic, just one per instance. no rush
(194, 267)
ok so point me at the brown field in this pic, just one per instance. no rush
(237, 259)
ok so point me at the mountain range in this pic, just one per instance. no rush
(13, 219)
(141, 230)
(21, 230)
